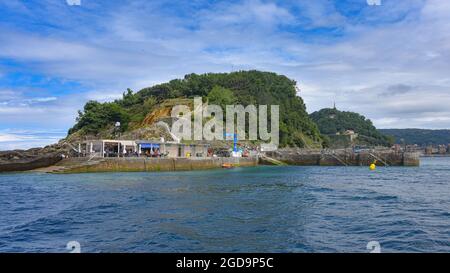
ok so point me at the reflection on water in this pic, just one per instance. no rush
(262, 209)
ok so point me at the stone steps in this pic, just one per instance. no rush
(273, 161)
(70, 165)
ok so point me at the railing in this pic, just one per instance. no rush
(92, 156)
(379, 159)
(273, 160)
(71, 146)
(336, 157)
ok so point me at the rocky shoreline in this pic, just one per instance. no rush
(25, 160)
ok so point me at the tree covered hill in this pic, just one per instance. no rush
(421, 137)
(243, 87)
(332, 121)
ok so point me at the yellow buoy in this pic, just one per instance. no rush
(373, 166)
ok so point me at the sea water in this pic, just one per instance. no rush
(254, 209)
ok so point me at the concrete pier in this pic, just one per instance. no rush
(78, 165)
(344, 157)
(280, 157)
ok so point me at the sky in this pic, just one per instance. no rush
(389, 62)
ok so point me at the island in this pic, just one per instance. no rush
(133, 133)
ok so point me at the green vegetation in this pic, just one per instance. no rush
(243, 87)
(420, 137)
(97, 116)
(333, 121)
(221, 96)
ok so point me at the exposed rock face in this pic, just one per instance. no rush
(149, 132)
(24, 160)
(163, 112)
(156, 115)
(37, 162)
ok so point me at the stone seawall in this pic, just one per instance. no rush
(344, 158)
(153, 164)
(280, 157)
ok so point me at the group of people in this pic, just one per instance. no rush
(153, 153)
(130, 153)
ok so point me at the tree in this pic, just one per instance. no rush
(242, 87)
(333, 121)
(97, 116)
(221, 96)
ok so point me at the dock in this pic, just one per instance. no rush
(141, 164)
(344, 157)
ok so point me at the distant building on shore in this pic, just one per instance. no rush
(349, 133)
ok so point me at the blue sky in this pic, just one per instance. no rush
(389, 62)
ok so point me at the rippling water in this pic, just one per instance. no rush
(262, 209)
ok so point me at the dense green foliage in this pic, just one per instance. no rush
(221, 96)
(420, 137)
(97, 116)
(333, 121)
(243, 87)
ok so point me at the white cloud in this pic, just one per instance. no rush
(25, 139)
(250, 12)
(320, 13)
(44, 99)
(7, 94)
(366, 67)
(10, 137)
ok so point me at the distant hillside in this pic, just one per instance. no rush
(421, 137)
(332, 121)
(136, 111)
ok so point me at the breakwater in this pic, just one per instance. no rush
(82, 165)
(345, 157)
(302, 157)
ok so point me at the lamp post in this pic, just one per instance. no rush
(117, 129)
